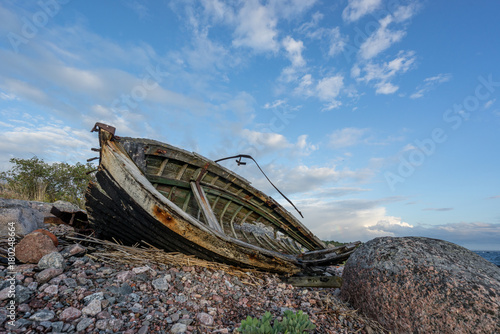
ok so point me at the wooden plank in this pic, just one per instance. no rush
(232, 220)
(223, 212)
(162, 167)
(171, 192)
(269, 214)
(200, 197)
(186, 202)
(181, 172)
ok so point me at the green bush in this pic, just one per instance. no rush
(292, 323)
(33, 179)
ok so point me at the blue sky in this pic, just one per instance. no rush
(375, 117)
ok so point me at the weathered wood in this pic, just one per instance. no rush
(205, 207)
(184, 202)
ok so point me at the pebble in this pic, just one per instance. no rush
(43, 315)
(52, 260)
(46, 275)
(84, 323)
(92, 308)
(161, 284)
(89, 296)
(69, 314)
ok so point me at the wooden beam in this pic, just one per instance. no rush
(199, 194)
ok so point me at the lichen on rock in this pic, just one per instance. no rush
(423, 285)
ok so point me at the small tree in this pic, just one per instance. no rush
(34, 179)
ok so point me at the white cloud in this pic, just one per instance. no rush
(329, 88)
(384, 37)
(305, 86)
(256, 28)
(385, 88)
(346, 137)
(358, 8)
(275, 104)
(270, 143)
(326, 89)
(48, 140)
(207, 55)
(218, 10)
(379, 41)
(266, 141)
(305, 178)
(346, 220)
(24, 90)
(7, 97)
(289, 9)
(310, 29)
(430, 83)
(384, 72)
(331, 36)
(337, 42)
(294, 51)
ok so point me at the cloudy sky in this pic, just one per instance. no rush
(375, 117)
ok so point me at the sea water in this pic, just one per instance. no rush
(492, 256)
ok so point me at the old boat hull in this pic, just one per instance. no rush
(182, 202)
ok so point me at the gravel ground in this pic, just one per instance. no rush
(133, 294)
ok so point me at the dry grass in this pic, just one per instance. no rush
(115, 252)
(9, 191)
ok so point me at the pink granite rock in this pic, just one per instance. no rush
(422, 285)
(70, 314)
(33, 247)
(47, 274)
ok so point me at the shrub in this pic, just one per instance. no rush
(292, 323)
(33, 179)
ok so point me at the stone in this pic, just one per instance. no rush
(161, 284)
(57, 326)
(92, 308)
(205, 319)
(23, 294)
(5, 293)
(50, 235)
(51, 290)
(112, 325)
(140, 270)
(73, 250)
(95, 296)
(47, 274)
(126, 289)
(178, 328)
(144, 329)
(70, 282)
(52, 260)
(33, 247)
(84, 323)
(70, 314)
(19, 324)
(43, 315)
(123, 276)
(423, 285)
(26, 215)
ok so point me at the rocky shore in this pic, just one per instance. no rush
(98, 288)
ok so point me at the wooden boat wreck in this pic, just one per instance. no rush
(182, 202)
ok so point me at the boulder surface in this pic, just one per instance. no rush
(27, 215)
(423, 285)
(33, 247)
